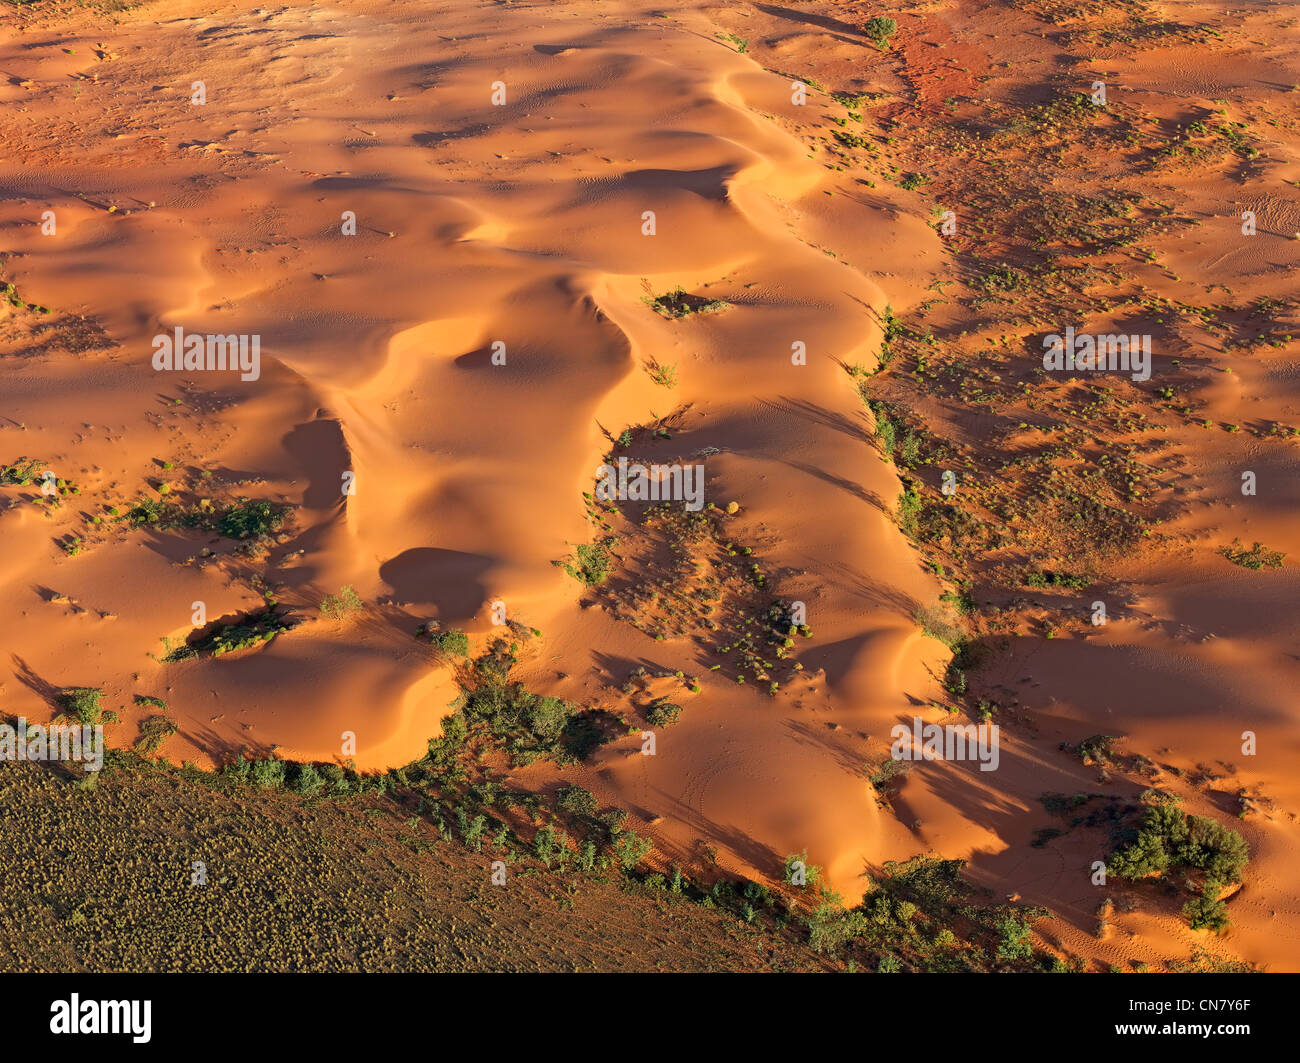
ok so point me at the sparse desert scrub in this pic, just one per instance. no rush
(1167, 841)
(679, 303)
(154, 731)
(83, 704)
(591, 563)
(248, 631)
(343, 604)
(1257, 557)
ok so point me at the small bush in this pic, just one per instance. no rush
(662, 712)
(593, 565)
(577, 801)
(451, 641)
(154, 731)
(337, 606)
(307, 781)
(269, 773)
(251, 520)
(1207, 913)
(1257, 557)
(631, 850)
(82, 704)
(879, 29)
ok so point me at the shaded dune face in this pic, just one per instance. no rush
(478, 228)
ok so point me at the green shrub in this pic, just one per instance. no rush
(593, 564)
(662, 712)
(337, 606)
(307, 780)
(83, 704)
(251, 520)
(879, 29)
(1048, 578)
(1257, 557)
(811, 873)
(1169, 839)
(631, 850)
(1014, 938)
(22, 472)
(451, 641)
(154, 731)
(577, 801)
(269, 773)
(1207, 913)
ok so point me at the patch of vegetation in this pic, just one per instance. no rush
(249, 521)
(527, 726)
(679, 303)
(577, 801)
(451, 641)
(851, 140)
(1049, 578)
(1098, 749)
(937, 521)
(591, 564)
(661, 712)
(906, 919)
(154, 731)
(252, 520)
(938, 625)
(1167, 841)
(879, 29)
(1256, 557)
(251, 630)
(21, 473)
(343, 604)
(663, 374)
(83, 705)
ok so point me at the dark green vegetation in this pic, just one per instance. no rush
(1168, 843)
(154, 731)
(591, 563)
(907, 918)
(244, 633)
(450, 641)
(527, 726)
(338, 606)
(244, 519)
(879, 29)
(661, 712)
(1048, 578)
(21, 473)
(82, 704)
(680, 303)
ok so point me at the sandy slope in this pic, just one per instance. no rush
(522, 224)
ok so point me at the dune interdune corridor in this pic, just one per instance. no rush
(827, 467)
